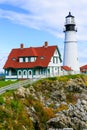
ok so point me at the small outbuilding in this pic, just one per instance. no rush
(83, 69)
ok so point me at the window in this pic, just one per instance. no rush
(20, 59)
(23, 59)
(30, 72)
(32, 59)
(55, 60)
(48, 71)
(25, 73)
(42, 57)
(56, 68)
(13, 59)
(56, 52)
(14, 72)
(20, 72)
(29, 59)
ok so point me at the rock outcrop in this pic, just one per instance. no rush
(75, 117)
(68, 99)
(48, 104)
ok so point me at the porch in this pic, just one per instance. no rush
(36, 72)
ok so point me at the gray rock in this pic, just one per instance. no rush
(74, 115)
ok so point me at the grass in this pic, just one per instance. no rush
(43, 113)
(13, 115)
(5, 83)
(61, 108)
(59, 78)
(72, 98)
(67, 77)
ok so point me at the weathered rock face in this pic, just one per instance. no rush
(75, 117)
(67, 99)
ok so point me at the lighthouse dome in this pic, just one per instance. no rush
(69, 15)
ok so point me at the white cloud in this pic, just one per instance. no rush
(82, 47)
(49, 15)
(3, 58)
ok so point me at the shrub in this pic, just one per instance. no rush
(4, 114)
(62, 78)
(71, 98)
(67, 77)
(44, 114)
(16, 106)
(29, 101)
(1, 100)
(49, 113)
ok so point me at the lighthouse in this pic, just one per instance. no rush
(70, 44)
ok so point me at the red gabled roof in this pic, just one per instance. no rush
(45, 52)
(83, 68)
(66, 68)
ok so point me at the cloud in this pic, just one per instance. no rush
(3, 58)
(49, 15)
(82, 47)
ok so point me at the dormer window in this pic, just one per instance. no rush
(24, 59)
(27, 59)
(33, 59)
(42, 57)
(14, 59)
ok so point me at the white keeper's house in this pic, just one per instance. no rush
(33, 62)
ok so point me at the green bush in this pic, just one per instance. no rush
(16, 106)
(44, 114)
(1, 100)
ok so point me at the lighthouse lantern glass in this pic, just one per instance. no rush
(70, 20)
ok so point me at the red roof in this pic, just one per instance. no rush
(45, 52)
(83, 68)
(66, 68)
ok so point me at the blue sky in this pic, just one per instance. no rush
(33, 22)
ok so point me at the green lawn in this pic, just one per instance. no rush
(5, 83)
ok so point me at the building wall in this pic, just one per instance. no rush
(55, 64)
(70, 51)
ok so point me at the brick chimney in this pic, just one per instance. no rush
(21, 45)
(46, 44)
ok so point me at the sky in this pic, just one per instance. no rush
(32, 22)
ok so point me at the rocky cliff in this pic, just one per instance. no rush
(48, 104)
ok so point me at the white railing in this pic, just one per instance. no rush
(11, 77)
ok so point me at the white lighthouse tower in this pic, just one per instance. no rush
(70, 44)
